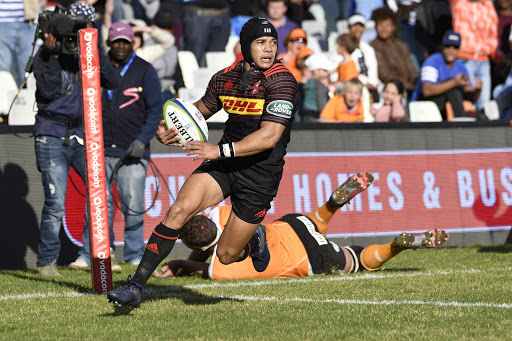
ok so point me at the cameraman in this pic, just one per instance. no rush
(58, 132)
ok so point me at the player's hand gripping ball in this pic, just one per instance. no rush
(187, 119)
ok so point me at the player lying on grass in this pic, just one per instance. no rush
(296, 242)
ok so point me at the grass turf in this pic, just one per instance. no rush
(443, 294)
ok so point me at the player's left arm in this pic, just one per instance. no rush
(182, 267)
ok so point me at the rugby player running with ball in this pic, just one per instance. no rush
(247, 165)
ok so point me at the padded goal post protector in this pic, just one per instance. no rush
(101, 271)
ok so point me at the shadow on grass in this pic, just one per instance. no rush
(507, 248)
(186, 295)
(32, 276)
(400, 269)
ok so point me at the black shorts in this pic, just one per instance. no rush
(250, 197)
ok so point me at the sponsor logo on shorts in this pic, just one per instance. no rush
(242, 106)
(280, 108)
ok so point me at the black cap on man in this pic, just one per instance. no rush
(253, 29)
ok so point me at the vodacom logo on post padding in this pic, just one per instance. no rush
(95, 161)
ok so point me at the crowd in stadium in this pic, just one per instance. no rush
(397, 50)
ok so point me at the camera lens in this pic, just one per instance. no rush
(71, 44)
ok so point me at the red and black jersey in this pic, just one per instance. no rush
(269, 96)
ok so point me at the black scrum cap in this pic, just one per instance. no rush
(253, 29)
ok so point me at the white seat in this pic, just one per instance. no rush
(194, 94)
(315, 29)
(202, 77)
(342, 26)
(9, 89)
(332, 42)
(188, 64)
(24, 109)
(491, 109)
(230, 46)
(219, 60)
(424, 111)
(219, 117)
(191, 94)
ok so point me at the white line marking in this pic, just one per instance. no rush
(340, 301)
(175, 291)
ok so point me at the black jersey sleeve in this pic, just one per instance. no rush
(280, 96)
(210, 98)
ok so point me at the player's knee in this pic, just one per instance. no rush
(177, 215)
(226, 257)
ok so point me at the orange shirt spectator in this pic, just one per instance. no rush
(347, 69)
(345, 108)
(477, 23)
(295, 41)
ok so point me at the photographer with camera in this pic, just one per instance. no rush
(58, 128)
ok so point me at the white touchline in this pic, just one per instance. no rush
(340, 301)
(175, 291)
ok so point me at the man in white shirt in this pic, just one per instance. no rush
(364, 56)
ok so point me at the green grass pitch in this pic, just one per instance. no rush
(441, 294)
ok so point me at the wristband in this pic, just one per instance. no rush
(227, 150)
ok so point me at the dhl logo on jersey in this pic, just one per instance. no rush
(242, 106)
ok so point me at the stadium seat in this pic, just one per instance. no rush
(332, 42)
(191, 94)
(9, 89)
(368, 117)
(424, 111)
(188, 64)
(202, 77)
(315, 29)
(220, 117)
(491, 109)
(218, 60)
(342, 26)
(24, 108)
(231, 45)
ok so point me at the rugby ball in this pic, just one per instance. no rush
(187, 119)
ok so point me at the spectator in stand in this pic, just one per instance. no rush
(392, 109)
(477, 23)
(163, 41)
(316, 89)
(347, 68)
(347, 108)
(406, 12)
(294, 41)
(364, 56)
(168, 66)
(276, 14)
(504, 9)
(444, 79)
(299, 10)
(18, 28)
(366, 8)
(433, 18)
(393, 55)
(206, 27)
(503, 91)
